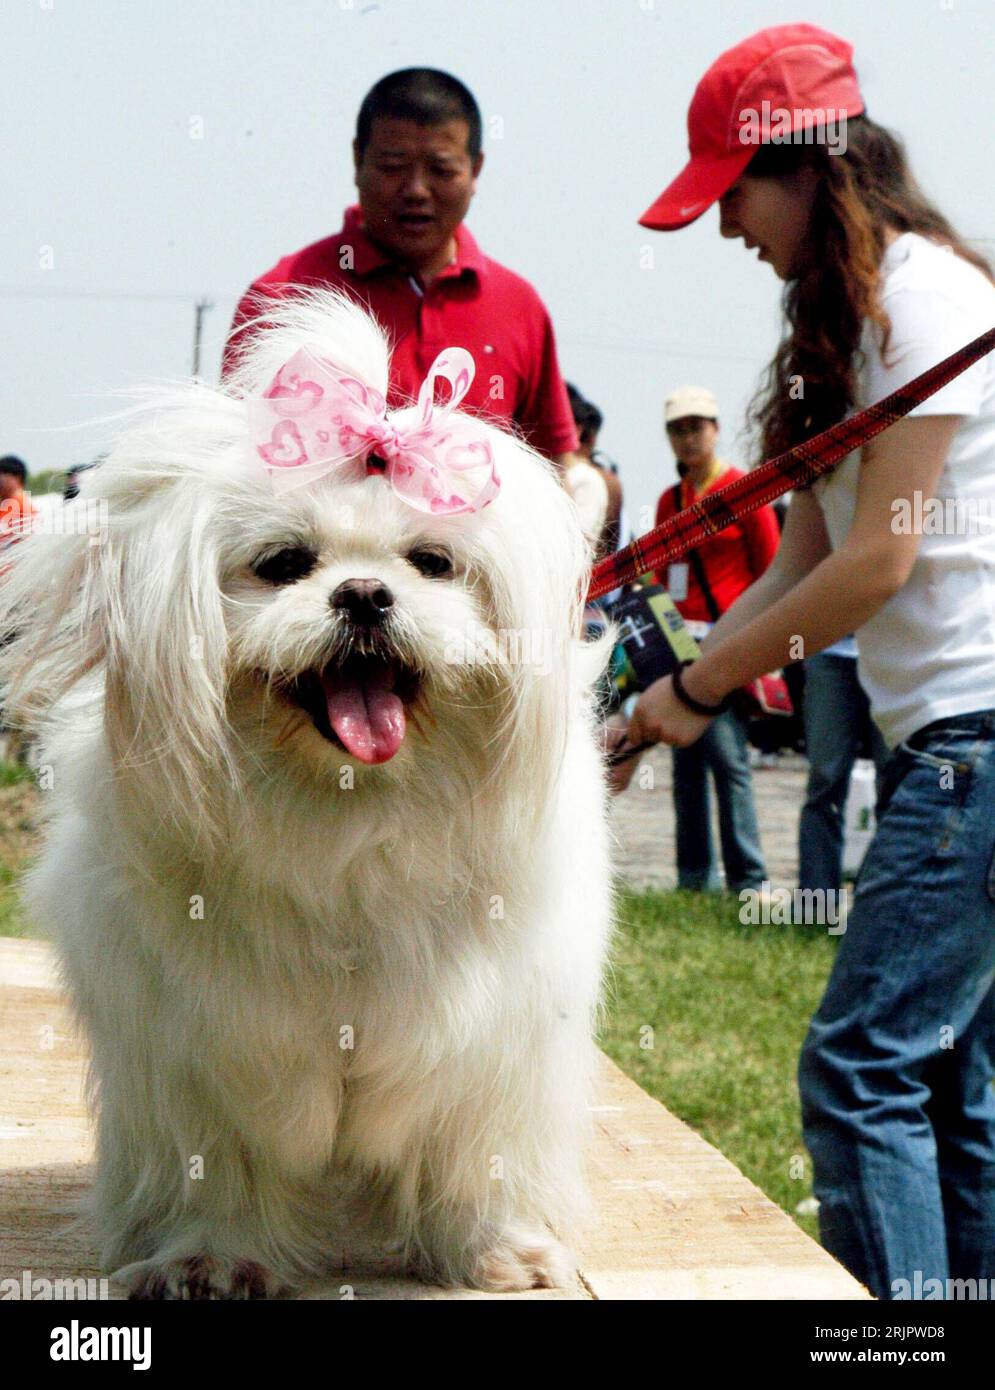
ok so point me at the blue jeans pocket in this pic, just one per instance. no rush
(955, 767)
(945, 773)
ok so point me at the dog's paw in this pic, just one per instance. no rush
(521, 1259)
(197, 1277)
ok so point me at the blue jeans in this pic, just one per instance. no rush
(721, 749)
(837, 714)
(898, 1106)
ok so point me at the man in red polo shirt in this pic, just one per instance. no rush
(404, 254)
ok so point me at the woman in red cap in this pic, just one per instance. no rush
(896, 1073)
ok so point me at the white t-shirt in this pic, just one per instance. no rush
(929, 652)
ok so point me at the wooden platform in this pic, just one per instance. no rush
(673, 1218)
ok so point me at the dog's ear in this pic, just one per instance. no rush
(165, 658)
(136, 608)
(50, 600)
(535, 564)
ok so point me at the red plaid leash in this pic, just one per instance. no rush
(796, 468)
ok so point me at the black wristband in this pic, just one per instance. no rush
(690, 701)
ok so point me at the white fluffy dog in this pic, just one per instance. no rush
(321, 971)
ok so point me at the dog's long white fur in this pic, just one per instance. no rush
(309, 985)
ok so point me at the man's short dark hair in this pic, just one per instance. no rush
(10, 463)
(423, 95)
(587, 416)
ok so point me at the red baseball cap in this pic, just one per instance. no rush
(792, 72)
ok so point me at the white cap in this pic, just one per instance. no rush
(690, 400)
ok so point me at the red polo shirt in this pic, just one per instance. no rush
(732, 559)
(472, 303)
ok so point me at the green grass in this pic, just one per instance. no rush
(17, 823)
(728, 1006)
(12, 773)
(11, 917)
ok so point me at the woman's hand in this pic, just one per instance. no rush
(616, 740)
(659, 717)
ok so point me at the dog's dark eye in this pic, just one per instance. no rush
(433, 563)
(284, 566)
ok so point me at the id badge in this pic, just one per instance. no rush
(677, 582)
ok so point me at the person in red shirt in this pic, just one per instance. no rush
(16, 506)
(16, 512)
(735, 557)
(404, 254)
(703, 586)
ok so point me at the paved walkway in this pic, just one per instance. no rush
(643, 821)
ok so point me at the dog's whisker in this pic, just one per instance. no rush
(294, 724)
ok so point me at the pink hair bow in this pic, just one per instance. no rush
(314, 417)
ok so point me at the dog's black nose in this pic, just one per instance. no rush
(366, 601)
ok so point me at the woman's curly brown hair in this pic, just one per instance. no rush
(859, 193)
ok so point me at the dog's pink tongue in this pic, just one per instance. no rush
(365, 714)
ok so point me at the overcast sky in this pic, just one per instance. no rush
(167, 151)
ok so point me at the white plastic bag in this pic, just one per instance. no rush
(858, 816)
